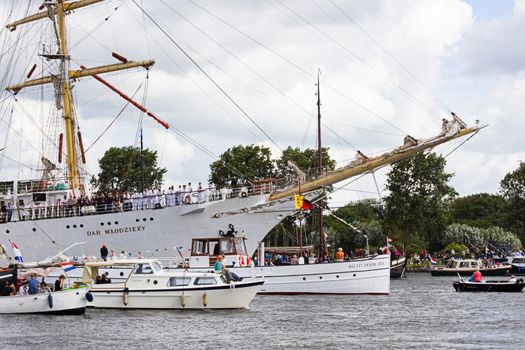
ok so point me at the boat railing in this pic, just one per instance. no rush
(39, 210)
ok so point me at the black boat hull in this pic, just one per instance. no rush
(489, 286)
(468, 272)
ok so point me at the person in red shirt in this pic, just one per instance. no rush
(476, 277)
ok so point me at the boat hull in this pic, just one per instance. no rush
(234, 296)
(152, 232)
(397, 267)
(497, 271)
(489, 286)
(358, 276)
(66, 302)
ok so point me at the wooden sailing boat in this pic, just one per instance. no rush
(44, 229)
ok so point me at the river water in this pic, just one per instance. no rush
(422, 312)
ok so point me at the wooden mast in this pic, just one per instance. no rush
(57, 12)
(322, 243)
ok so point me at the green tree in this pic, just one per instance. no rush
(242, 165)
(481, 210)
(418, 201)
(512, 188)
(306, 160)
(120, 170)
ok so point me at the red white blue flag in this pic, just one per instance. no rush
(18, 255)
(67, 266)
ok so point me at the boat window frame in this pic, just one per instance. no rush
(210, 278)
(184, 284)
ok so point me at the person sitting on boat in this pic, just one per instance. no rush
(59, 283)
(513, 279)
(9, 289)
(340, 255)
(476, 277)
(33, 284)
(219, 268)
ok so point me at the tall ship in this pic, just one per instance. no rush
(37, 213)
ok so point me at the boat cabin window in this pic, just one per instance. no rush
(179, 281)
(241, 248)
(215, 248)
(464, 264)
(205, 281)
(143, 269)
(156, 266)
(474, 264)
(518, 260)
(200, 247)
(227, 247)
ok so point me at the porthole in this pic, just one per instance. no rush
(6, 231)
(101, 224)
(109, 223)
(121, 274)
(67, 226)
(34, 229)
(320, 277)
(137, 220)
(116, 222)
(150, 219)
(304, 278)
(337, 276)
(81, 225)
(155, 282)
(354, 274)
(144, 219)
(74, 226)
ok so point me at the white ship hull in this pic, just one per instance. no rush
(358, 276)
(71, 301)
(152, 232)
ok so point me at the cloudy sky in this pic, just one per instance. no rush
(388, 68)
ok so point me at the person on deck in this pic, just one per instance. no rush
(219, 268)
(59, 283)
(340, 255)
(33, 284)
(104, 252)
(476, 277)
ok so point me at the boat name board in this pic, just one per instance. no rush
(111, 231)
(362, 265)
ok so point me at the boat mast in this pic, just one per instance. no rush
(57, 12)
(69, 121)
(322, 243)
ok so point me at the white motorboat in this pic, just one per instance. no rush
(368, 275)
(71, 301)
(149, 286)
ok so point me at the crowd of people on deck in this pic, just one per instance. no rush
(151, 198)
(31, 285)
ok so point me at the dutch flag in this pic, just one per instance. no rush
(433, 261)
(67, 266)
(18, 255)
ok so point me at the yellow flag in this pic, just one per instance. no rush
(298, 201)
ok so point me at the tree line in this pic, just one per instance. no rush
(420, 210)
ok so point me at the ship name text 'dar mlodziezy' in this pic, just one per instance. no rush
(110, 231)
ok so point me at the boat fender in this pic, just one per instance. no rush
(50, 300)
(205, 299)
(89, 297)
(183, 300)
(125, 296)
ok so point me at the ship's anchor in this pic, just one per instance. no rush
(230, 233)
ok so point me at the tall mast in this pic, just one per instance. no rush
(57, 12)
(69, 120)
(322, 244)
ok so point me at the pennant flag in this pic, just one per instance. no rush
(18, 255)
(307, 205)
(67, 266)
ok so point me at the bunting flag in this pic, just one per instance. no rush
(18, 255)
